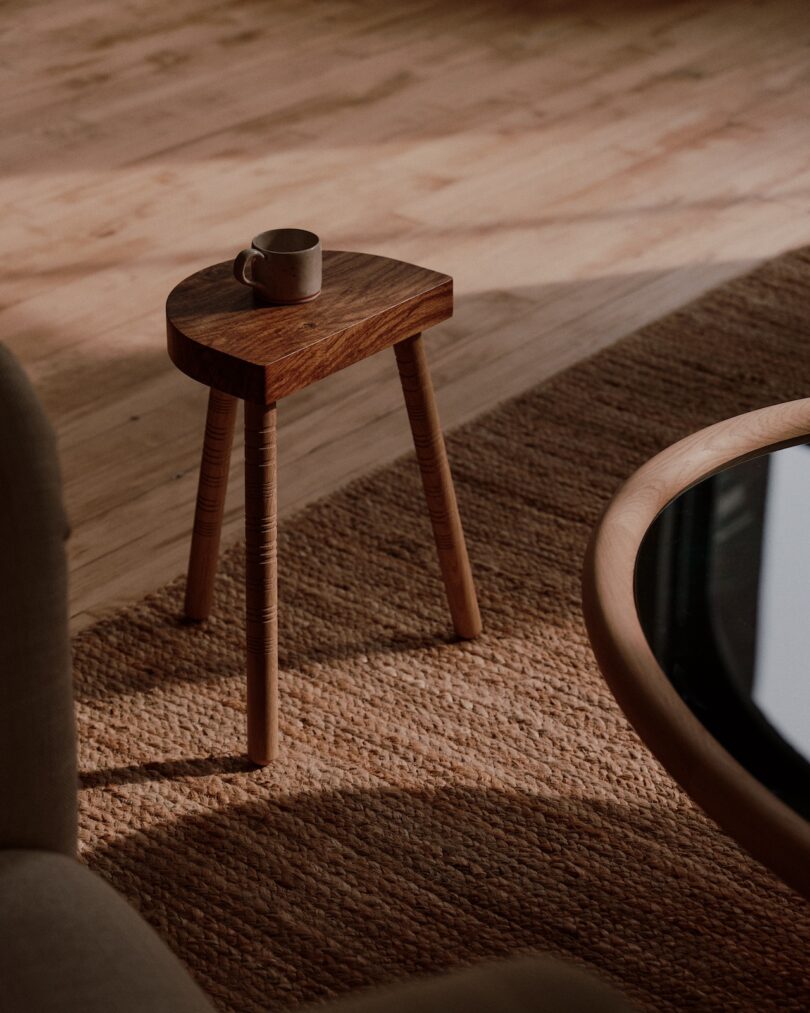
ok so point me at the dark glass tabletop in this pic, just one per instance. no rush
(722, 587)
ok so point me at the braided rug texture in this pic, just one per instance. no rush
(438, 803)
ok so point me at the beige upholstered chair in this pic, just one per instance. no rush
(68, 941)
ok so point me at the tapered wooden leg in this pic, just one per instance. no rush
(261, 590)
(211, 489)
(438, 484)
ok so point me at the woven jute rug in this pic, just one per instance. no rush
(438, 803)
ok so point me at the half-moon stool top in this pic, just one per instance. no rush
(221, 335)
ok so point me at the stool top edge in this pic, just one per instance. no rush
(219, 335)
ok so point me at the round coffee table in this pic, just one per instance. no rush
(696, 595)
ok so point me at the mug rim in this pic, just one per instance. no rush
(260, 243)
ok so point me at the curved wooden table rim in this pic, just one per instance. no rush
(764, 825)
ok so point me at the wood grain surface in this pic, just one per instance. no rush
(437, 482)
(261, 582)
(221, 335)
(579, 168)
(212, 486)
(771, 831)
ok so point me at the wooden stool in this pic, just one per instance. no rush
(218, 334)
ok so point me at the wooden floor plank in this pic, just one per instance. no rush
(580, 168)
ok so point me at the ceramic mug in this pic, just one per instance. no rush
(282, 265)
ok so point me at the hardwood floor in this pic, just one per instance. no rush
(579, 167)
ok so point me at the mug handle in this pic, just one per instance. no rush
(241, 265)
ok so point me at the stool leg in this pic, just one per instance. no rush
(261, 604)
(438, 484)
(211, 489)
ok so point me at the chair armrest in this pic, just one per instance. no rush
(37, 736)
